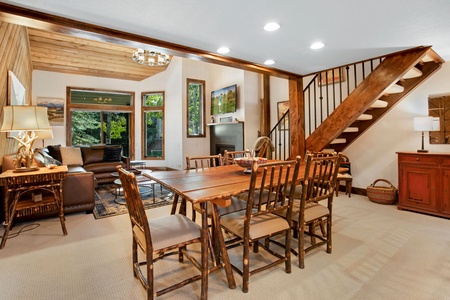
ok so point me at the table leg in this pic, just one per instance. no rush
(223, 250)
(174, 204)
(57, 195)
(204, 253)
(9, 216)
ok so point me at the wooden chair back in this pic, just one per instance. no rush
(202, 162)
(268, 191)
(135, 206)
(229, 156)
(320, 177)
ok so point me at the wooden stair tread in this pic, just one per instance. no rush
(339, 141)
(351, 129)
(364, 117)
(379, 104)
(394, 89)
(412, 73)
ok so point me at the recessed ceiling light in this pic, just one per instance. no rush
(272, 26)
(223, 50)
(317, 45)
(269, 62)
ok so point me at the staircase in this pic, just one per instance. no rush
(337, 114)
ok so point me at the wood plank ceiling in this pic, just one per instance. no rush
(61, 53)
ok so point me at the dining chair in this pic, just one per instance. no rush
(229, 156)
(316, 203)
(195, 163)
(266, 196)
(298, 188)
(157, 237)
(206, 161)
(345, 175)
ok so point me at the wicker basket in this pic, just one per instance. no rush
(382, 194)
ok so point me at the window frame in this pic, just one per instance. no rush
(145, 109)
(202, 107)
(100, 108)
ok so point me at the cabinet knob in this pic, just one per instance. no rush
(417, 159)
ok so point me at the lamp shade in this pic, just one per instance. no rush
(423, 123)
(24, 117)
(44, 134)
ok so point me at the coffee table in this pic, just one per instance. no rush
(142, 181)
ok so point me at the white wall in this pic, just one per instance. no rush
(252, 107)
(373, 155)
(51, 84)
(279, 92)
(173, 83)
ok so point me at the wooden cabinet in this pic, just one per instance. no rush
(424, 182)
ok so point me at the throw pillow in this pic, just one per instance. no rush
(112, 154)
(71, 156)
(42, 159)
(92, 155)
(55, 152)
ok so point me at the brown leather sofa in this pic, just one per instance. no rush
(102, 160)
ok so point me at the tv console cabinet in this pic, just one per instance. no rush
(424, 182)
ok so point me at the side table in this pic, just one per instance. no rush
(17, 184)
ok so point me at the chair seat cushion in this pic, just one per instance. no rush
(260, 226)
(313, 211)
(169, 231)
(344, 176)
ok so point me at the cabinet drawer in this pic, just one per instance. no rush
(445, 161)
(422, 159)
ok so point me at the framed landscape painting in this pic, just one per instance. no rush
(55, 109)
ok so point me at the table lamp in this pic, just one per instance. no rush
(30, 122)
(423, 124)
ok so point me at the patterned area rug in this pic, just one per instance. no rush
(107, 204)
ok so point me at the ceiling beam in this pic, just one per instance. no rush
(35, 19)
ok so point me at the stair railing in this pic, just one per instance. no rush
(325, 91)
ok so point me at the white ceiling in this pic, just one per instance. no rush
(352, 30)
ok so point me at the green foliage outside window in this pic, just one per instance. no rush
(85, 128)
(154, 125)
(195, 108)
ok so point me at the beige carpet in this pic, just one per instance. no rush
(379, 252)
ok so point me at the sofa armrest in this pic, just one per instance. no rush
(126, 160)
(78, 192)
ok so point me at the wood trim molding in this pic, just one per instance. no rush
(35, 19)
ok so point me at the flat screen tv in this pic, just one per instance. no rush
(224, 100)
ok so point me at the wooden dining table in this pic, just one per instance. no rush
(214, 185)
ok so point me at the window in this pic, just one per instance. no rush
(100, 117)
(153, 125)
(195, 108)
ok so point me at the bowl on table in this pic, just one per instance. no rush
(246, 162)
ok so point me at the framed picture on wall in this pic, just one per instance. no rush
(55, 109)
(282, 108)
(16, 90)
(332, 76)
